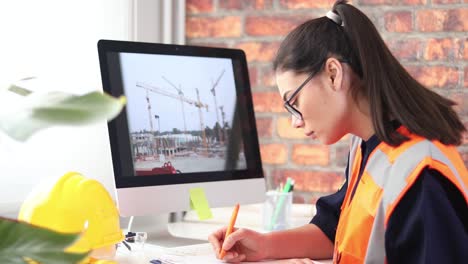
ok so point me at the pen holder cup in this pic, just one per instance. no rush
(277, 210)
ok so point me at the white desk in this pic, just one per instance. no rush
(250, 216)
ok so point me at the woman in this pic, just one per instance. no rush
(405, 198)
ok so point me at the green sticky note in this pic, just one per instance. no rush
(199, 203)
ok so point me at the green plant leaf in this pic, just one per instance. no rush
(38, 111)
(21, 240)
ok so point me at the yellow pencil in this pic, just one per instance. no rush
(222, 253)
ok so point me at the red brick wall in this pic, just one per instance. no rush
(428, 36)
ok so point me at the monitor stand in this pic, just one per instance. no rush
(165, 230)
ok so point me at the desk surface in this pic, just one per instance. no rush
(249, 217)
(196, 254)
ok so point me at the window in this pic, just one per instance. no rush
(56, 41)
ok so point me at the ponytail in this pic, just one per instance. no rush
(390, 90)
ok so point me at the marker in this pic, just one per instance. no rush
(222, 253)
(292, 186)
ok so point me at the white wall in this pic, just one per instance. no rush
(55, 40)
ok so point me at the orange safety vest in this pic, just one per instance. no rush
(389, 174)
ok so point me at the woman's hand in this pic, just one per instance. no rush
(241, 245)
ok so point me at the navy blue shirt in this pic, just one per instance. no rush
(429, 224)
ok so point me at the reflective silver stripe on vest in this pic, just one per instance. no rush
(355, 146)
(392, 179)
(376, 247)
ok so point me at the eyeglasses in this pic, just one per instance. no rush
(287, 102)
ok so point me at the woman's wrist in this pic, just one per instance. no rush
(269, 245)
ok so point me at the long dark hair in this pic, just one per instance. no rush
(391, 91)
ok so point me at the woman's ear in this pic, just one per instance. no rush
(334, 73)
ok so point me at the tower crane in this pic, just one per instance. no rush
(213, 91)
(149, 111)
(222, 126)
(197, 103)
(181, 94)
(202, 125)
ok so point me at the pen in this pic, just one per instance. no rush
(126, 245)
(279, 205)
(230, 227)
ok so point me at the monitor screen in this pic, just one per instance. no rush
(189, 122)
(199, 108)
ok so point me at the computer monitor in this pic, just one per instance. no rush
(189, 122)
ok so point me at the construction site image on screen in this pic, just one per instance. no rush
(181, 125)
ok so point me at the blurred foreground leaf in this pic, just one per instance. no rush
(21, 241)
(38, 111)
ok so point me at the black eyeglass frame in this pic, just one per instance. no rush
(287, 103)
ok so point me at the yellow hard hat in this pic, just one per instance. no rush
(75, 204)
